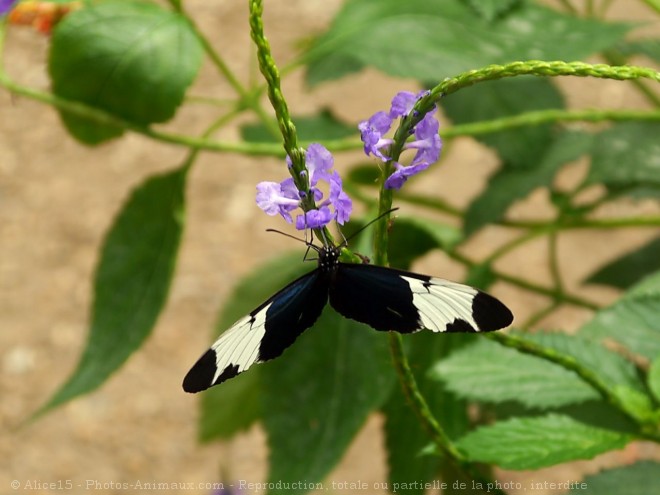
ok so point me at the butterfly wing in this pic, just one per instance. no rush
(390, 299)
(263, 334)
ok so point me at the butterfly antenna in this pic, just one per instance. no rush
(305, 241)
(367, 225)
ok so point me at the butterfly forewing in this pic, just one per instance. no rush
(263, 334)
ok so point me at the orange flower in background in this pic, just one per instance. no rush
(42, 16)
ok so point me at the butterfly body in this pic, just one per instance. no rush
(383, 298)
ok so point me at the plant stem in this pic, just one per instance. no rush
(428, 421)
(544, 69)
(540, 117)
(525, 284)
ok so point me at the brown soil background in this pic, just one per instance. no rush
(57, 198)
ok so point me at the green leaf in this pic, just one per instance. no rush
(404, 437)
(231, 408)
(518, 148)
(318, 394)
(131, 281)
(364, 174)
(236, 405)
(491, 9)
(132, 59)
(488, 372)
(629, 268)
(632, 320)
(635, 479)
(654, 378)
(411, 237)
(533, 443)
(331, 67)
(510, 184)
(649, 47)
(322, 126)
(627, 156)
(433, 39)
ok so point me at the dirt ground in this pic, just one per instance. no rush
(57, 198)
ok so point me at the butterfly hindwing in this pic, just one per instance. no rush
(390, 299)
(374, 295)
(263, 334)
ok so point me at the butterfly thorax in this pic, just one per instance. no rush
(328, 259)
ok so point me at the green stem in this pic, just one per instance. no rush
(553, 260)
(539, 315)
(616, 59)
(268, 149)
(271, 74)
(540, 68)
(525, 284)
(515, 243)
(548, 116)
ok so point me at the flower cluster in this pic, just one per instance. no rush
(427, 141)
(284, 197)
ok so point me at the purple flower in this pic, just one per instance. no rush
(6, 6)
(314, 219)
(276, 198)
(342, 203)
(371, 132)
(427, 140)
(401, 175)
(284, 197)
(318, 161)
(403, 103)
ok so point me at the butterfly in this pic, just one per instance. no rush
(383, 298)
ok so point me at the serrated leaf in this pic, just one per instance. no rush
(629, 268)
(433, 39)
(627, 156)
(318, 394)
(404, 437)
(236, 405)
(491, 9)
(322, 126)
(632, 320)
(488, 372)
(635, 479)
(533, 443)
(610, 366)
(131, 281)
(412, 237)
(132, 59)
(511, 184)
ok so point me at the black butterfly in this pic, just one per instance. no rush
(383, 298)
